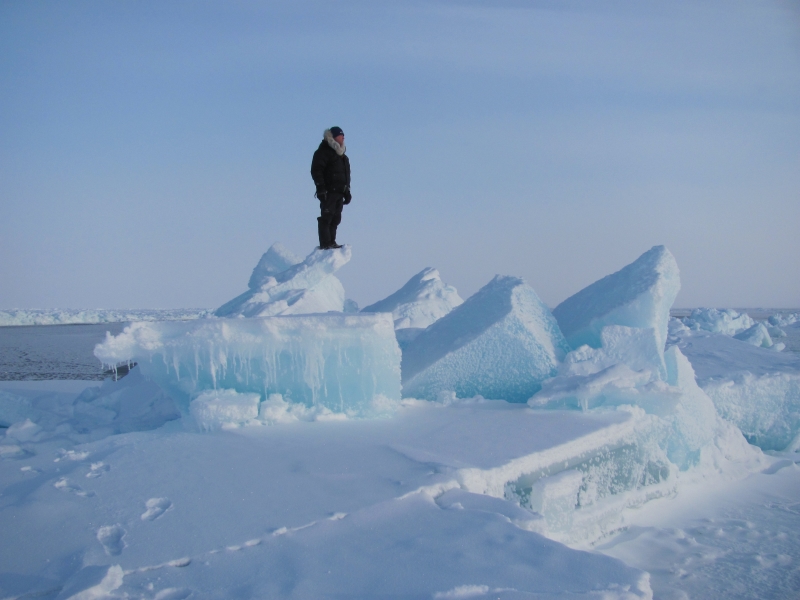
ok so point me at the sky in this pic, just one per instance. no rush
(151, 151)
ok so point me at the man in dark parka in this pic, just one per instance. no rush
(330, 169)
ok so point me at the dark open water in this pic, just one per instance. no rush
(31, 352)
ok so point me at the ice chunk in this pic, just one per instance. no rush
(757, 335)
(275, 260)
(307, 287)
(501, 343)
(421, 301)
(346, 363)
(639, 295)
(726, 321)
(755, 388)
(217, 409)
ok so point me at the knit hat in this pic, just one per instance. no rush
(336, 132)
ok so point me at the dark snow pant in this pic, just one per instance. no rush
(327, 223)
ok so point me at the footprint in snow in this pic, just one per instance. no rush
(65, 485)
(173, 594)
(97, 469)
(155, 508)
(111, 537)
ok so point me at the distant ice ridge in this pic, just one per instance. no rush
(69, 316)
(283, 285)
(639, 295)
(501, 343)
(425, 298)
(727, 320)
(346, 364)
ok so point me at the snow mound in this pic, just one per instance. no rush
(421, 301)
(639, 295)
(346, 363)
(727, 321)
(35, 316)
(755, 388)
(501, 343)
(303, 288)
(130, 404)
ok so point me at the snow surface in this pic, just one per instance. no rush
(305, 287)
(501, 343)
(406, 507)
(346, 363)
(425, 298)
(639, 295)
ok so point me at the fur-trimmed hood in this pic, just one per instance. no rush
(340, 148)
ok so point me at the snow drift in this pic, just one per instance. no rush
(501, 343)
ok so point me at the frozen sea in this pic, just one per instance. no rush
(345, 508)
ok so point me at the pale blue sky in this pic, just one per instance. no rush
(151, 151)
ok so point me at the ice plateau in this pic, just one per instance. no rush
(501, 343)
(300, 288)
(425, 298)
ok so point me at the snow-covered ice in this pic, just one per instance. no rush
(425, 298)
(300, 288)
(242, 457)
(346, 363)
(310, 509)
(501, 343)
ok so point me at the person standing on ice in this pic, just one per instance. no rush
(330, 170)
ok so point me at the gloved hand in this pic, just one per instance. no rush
(321, 193)
(347, 196)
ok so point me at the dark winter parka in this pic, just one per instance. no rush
(330, 167)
